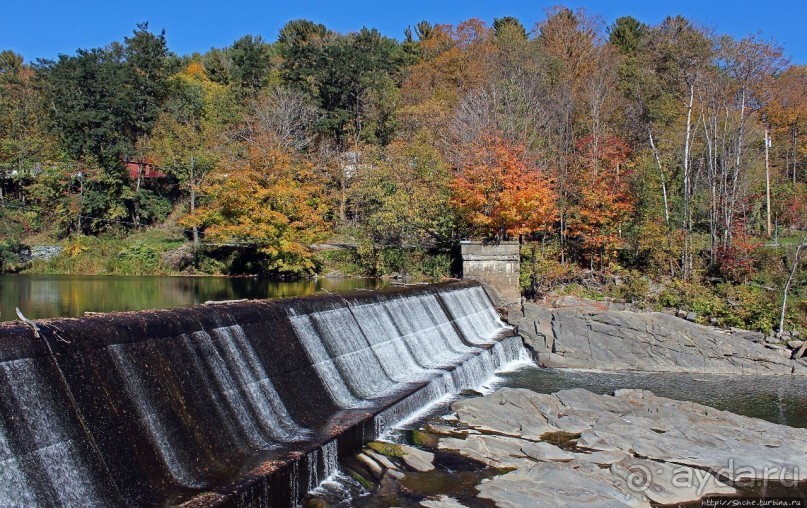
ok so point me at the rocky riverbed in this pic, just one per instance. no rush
(590, 337)
(576, 448)
(517, 447)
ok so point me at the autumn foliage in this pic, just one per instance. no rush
(269, 199)
(603, 198)
(500, 193)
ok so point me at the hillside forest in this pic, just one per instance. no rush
(663, 165)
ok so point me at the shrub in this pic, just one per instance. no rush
(14, 256)
(634, 289)
(136, 259)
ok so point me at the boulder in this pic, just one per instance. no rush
(668, 484)
(417, 459)
(372, 466)
(493, 451)
(800, 351)
(442, 502)
(509, 412)
(546, 452)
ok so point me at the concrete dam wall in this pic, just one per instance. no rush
(240, 404)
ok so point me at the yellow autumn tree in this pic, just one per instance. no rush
(271, 200)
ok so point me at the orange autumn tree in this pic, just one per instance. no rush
(500, 193)
(271, 200)
(602, 199)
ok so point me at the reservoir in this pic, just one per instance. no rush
(49, 296)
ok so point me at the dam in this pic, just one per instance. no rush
(235, 404)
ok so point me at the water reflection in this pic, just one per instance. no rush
(43, 296)
(778, 399)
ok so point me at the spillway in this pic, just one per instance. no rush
(239, 404)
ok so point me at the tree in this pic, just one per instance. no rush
(103, 104)
(144, 79)
(508, 26)
(568, 41)
(602, 200)
(454, 62)
(288, 114)
(251, 59)
(500, 193)
(402, 195)
(190, 135)
(786, 112)
(24, 142)
(680, 55)
(271, 200)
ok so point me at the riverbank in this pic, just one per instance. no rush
(626, 449)
(588, 335)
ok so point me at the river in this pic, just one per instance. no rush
(48, 296)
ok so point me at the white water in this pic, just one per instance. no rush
(473, 313)
(368, 351)
(247, 408)
(56, 461)
(362, 352)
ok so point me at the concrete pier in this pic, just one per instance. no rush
(497, 266)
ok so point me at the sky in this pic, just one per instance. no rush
(45, 29)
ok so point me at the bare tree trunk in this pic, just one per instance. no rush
(193, 203)
(787, 286)
(767, 183)
(80, 201)
(710, 135)
(685, 256)
(736, 175)
(343, 200)
(562, 239)
(795, 153)
(661, 174)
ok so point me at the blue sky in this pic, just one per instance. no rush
(44, 29)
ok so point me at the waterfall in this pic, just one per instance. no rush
(246, 403)
(43, 461)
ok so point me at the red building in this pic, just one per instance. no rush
(148, 170)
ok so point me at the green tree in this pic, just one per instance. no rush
(189, 136)
(402, 195)
(251, 60)
(103, 104)
(24, 142)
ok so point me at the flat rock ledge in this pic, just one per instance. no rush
(576, 448)
(611, 340)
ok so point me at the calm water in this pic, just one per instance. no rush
(43, 296)
(777, 399)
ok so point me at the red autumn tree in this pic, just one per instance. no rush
(602, 199)
(499, 192)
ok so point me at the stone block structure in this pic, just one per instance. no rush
(497, 266)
